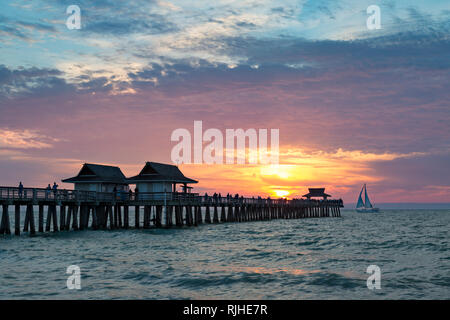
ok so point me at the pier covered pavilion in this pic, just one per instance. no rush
(99, 178)
(160, 177)
(316, 193)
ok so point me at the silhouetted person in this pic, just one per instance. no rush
(20, 189)
(130, 194)
(47, 191)
(55, 188)
(115, 192)
(136, 193)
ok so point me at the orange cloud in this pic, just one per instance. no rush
(24, 139)
(299, 169)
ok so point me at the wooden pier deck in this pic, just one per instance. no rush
(78, 210)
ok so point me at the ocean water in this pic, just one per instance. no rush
(318, 258)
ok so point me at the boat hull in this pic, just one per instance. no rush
(368, 210)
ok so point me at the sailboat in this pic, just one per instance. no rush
(365, 206)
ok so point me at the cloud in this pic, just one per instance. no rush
(293, 156)
(43, 82)
(24, 30)
(118, 41)
(118, 26)
(24, 139)
(12, 32)
(22, 81)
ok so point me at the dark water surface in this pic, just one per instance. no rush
(280, 259)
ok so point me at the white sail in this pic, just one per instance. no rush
(360, 203)
(367, 200)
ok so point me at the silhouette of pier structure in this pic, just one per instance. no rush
(80, 209)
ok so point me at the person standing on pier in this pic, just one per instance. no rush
(136, 193)
(47, 191)
(20, 189)
(55, 189)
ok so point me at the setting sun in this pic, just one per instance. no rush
(281, 193)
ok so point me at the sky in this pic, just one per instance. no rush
(352, 105)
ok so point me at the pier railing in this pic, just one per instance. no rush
(41, 194)
(65, 195)
(37, 194)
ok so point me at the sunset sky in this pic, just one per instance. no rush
(352, 105)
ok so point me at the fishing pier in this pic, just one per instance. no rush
(78, 210)
(66, 210)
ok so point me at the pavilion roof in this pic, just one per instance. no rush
(160, 172)
(316, 192)
(98, 173)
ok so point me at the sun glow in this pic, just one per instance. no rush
(281, 193)
(282, 171)
(299, 169)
